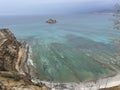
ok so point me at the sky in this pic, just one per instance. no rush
(41, 7)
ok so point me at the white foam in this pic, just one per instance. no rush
(30, 61)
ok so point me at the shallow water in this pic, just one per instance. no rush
(70, 49)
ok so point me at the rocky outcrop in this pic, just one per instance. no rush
(14, 81)
(51, 21)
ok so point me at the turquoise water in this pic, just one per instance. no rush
(70, 49)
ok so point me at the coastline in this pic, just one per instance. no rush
(100, 83)
(26, 64)
(24, 71)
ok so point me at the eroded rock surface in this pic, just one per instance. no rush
(9, 48)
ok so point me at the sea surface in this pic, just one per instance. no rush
(71, 50)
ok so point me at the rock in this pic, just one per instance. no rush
(9, 48)
(51, 21)
(8, 82)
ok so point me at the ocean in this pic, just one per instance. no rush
(76, 48)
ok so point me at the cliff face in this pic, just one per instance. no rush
(15, 73)
(9, 48)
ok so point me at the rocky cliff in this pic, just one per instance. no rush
(9, 48)
(14, 70)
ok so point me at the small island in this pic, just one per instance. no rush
(51, 21)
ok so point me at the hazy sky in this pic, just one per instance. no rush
(24, 7)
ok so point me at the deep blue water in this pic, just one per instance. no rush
(70, 49)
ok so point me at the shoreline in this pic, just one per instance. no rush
(28, 67)
(104, 82)
(26, 63)
(107, 82)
